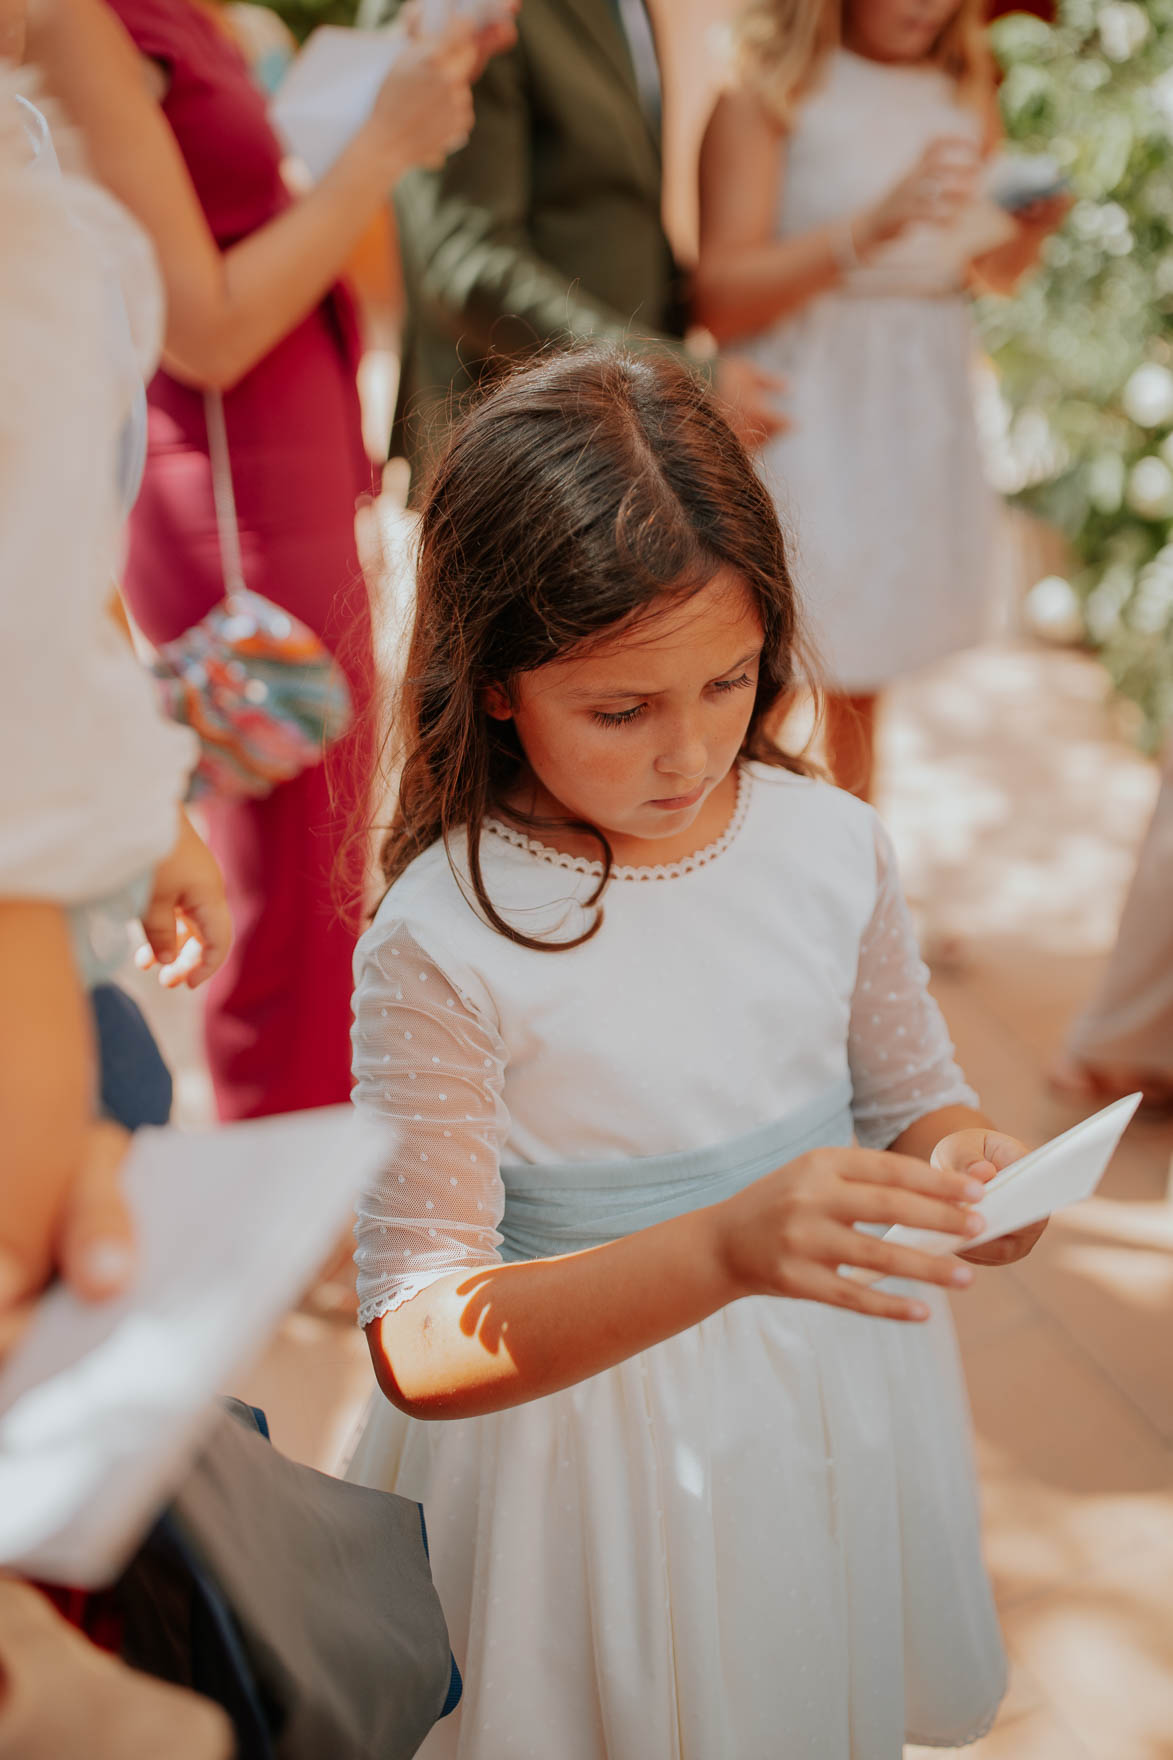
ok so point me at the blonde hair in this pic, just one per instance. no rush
(781, 46)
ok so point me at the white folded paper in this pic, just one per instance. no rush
(1060, 1173)
(330, 91)
(101, 1405)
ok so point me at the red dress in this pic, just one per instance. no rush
(278, 1013)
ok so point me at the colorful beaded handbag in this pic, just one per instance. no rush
(262, 691)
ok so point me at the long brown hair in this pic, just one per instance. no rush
(577, 496)
(781, 46)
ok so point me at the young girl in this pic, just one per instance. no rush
(838, 231)
(636, 981)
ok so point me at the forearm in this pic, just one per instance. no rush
(275, 277)
(739, 291)
(46, 1077)
(921, 1138)
(481, 1341)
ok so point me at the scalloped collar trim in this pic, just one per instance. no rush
(660, 871)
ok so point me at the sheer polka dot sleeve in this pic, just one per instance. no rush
(898, 1046)
(429, 1063)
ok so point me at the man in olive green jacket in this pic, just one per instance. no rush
(546, 227)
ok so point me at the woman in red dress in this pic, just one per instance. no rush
(179, 133)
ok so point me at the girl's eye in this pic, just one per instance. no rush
(734, 684)
(620, 718)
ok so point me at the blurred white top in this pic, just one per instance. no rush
(93, 774)
(859, 132)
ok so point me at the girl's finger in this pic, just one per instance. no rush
(1000, 1150)
(158, 921)
(879, 1167)
(818, 1285)
(890, 1205)
(187, 962)
(871, 1259)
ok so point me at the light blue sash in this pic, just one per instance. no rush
(551, 1209)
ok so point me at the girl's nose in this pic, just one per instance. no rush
(685, 758)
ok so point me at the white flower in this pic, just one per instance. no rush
(1150, 489)
(1148, 396)
(1123, 27)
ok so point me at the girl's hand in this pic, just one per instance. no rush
(423, 110)
(980, 1155)
(187, 924)
(941, 182)
(786, 1234)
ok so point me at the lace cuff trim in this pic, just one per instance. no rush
(660, 871)
(392, 1300)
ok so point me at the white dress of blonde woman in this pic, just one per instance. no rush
(880, 478)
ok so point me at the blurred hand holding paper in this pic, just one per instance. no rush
(330, 91)
(1060, 1173)
(102, 1404)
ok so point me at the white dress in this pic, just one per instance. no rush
(91, 806)
(758, 1540)
(880, 478)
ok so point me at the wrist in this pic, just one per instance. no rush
(716, 1256)
(374, 158)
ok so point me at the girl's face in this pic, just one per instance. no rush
(895, 30)
(633, 736)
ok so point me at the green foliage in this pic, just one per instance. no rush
(1095, 90)
(303, 16)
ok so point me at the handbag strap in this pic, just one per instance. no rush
(223, 496)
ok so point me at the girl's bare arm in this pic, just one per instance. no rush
(484, 1340)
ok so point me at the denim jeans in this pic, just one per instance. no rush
(134, 1082)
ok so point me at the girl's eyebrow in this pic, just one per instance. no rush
(615, 696)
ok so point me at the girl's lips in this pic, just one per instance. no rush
(679, 801)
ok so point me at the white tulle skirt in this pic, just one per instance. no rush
(757, 1541)
(880, 480)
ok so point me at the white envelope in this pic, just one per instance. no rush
(1060, 1173)
(102, 1404)
(330, 91)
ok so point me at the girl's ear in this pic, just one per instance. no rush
(496, 703)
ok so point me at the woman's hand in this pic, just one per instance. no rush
(941, 182)
(423, 110)
(785, 1235)
(980, 1154)
(492, 29)
(749, 397)
(187, 923)
(95, 1239)
(1000, 270)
